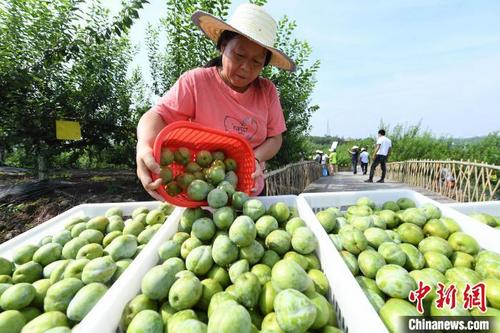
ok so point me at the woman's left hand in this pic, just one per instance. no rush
(258, 173)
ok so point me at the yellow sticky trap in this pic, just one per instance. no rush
(68, 130)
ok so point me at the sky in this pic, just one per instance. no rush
(402, 61)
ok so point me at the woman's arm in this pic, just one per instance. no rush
(269, 148)
(265, 152)
(150, 124)
(377, 147)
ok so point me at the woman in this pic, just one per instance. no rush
(227, 94)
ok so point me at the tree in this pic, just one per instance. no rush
(295, 90)
(56, 62)
(187, 48)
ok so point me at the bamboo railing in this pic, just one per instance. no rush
(291, 179)
(472, 181)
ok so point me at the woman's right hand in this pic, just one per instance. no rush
(145, 165)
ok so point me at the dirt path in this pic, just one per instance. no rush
(345, 181)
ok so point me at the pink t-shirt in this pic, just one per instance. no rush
(201, 96)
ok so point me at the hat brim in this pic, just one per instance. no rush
(213, 27)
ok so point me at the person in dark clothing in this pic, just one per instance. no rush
(318, 156)
(354, 159)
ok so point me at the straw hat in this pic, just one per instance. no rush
(248, 20)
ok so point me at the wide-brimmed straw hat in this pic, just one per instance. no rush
(250, 21)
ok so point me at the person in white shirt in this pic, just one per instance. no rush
(382, 152)
(364, 158)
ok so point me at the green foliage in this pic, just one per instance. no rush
(58, 62)
(324, 141)
(187, 48)
(295, 90)
(411, 142)
(258, 2)
(483, 150)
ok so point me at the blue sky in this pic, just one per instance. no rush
(402, 61)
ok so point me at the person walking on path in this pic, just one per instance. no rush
(354, 159)
(333, 162)
(364, 158)
(382, 152)
(324, 164)
(317, 157)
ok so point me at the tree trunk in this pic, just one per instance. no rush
(42, 166)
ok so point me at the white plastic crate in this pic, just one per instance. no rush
(106, 315)
(487, 207)
(483, 234)
(352, 307)
(354, 313)
(371, 321)
(56, 225)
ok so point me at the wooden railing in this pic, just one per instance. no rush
(472, 181)
(291, 179)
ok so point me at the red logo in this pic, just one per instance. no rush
(475, 296)
(419, 294)
(446, 296)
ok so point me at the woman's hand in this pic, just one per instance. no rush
(258, 173)
(145, 165)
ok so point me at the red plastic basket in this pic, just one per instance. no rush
(197, 137)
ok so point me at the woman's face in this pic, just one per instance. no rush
(242, 62)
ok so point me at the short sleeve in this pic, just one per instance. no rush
(275, 119)
(380, 140)
(178, 102)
